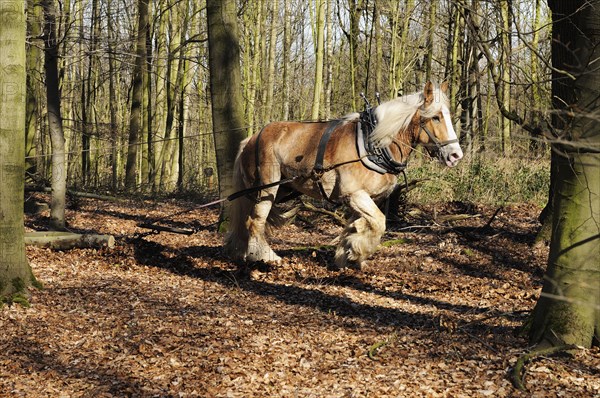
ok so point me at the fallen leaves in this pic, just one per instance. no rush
(168, 315)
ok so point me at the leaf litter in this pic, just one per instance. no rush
(435, 313)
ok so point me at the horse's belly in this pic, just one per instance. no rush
(337, 187)
(310, 188)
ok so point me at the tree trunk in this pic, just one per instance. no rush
(469, 86)
(135, 117)
(173, 88)
(319, 55)
(433, 22)
(568, 310)
(377, 32)
(143, 170)
(112, 100)
(181, 125)
(270, 81)
(547, 214)
(355, 6)
(329, 59)
(34, 29)
(254, 72)
(86, 96)
(536, 144)
(15, 273)
(150, 178)
(160, 65)
(225, 88)
(505, 62)
(57, 137)
(455, 51)
(287, 35)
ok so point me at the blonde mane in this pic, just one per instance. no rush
(397, 114)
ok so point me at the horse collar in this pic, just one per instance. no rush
(371, 156)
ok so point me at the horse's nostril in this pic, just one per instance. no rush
(455, 156)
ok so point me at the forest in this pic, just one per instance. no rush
(120, 121)
(299, 61)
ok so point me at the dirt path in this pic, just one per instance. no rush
(168, 316)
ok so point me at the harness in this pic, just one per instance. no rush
(373, 157)
(319, 170)
(434, 141)
(378, 159)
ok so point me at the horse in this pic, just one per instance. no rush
(353, 161)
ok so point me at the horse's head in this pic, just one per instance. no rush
(435, 129)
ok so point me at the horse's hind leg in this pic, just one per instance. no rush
(258, 247)
(362, 235)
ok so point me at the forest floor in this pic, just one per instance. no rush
(437, 312)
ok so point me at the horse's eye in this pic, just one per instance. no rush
(436, 119)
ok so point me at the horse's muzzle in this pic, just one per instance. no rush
(451, 154)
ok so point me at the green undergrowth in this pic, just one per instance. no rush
(17, 298)
(395, 242)
(485, 180)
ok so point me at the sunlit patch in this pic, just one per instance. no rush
(448, 120)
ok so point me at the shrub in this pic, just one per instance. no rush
(482, 180)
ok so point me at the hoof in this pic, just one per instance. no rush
(348, 259)
(268, 256)
(259, 250)
(348, 264)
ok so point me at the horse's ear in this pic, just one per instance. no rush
(444, 87)
(428, 93)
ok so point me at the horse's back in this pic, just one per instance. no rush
(295, 136)
(289, 143)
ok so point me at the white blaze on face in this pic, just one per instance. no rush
(451, 153)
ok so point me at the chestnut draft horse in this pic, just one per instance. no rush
(353, 160)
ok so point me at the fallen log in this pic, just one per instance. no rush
(59, 240)
(78, 194)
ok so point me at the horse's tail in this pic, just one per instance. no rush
(236, 240)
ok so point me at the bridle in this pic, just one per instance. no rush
(435, 142)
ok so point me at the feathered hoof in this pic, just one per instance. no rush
(262, 252)
(343, 262)
(271, 258)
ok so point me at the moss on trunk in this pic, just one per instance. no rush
(15, 273)
(568, 311)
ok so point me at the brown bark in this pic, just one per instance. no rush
(55, 126)
(15, 273)
(225, 87)
(568, 310)
(135, 118)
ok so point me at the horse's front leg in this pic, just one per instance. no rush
(362, 235)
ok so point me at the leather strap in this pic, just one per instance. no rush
(258, 180)
(437, 143)
(323, 144)
(318, 169)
